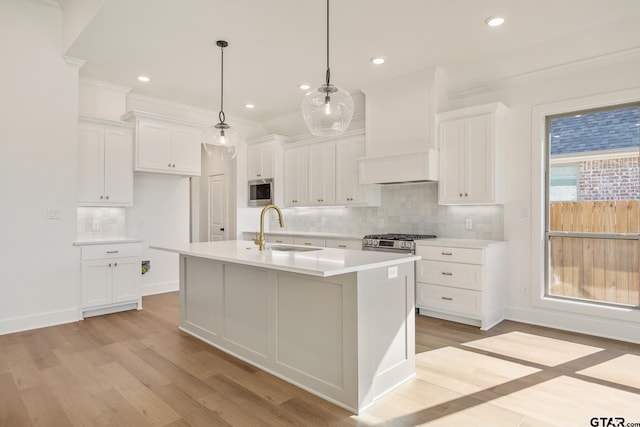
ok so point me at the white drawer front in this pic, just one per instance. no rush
(452, 300)
(309, 241)
(344, 244)
(467, 276)
(118, 250)
(279, 239)
(438, 253)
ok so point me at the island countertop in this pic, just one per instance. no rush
(324, 262)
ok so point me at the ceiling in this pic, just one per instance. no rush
(274, 45)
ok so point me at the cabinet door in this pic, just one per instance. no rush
(118, 169)
(90, 164)
(125, 273)
(260, 161)
(96, 283)
(348, 188)
(451, 185)
(322, 174)
(296, 176)
(153, 151)
(478, 162)
(185, 150)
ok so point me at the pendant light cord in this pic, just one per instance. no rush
(328, 75)
(221, 114)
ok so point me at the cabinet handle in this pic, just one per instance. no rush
(109, 264)
(279, 241)
(447, 253)
(460, 194)
(112, 252)
(466, 195)
(101, 197)
(169, 165)
(258, 174)
(307, 243)
(115, 264)
(447, 298)
(107, 197)
(342, 246)
(444, 273)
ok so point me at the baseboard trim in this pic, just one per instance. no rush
(160, 288)
(40, 320)
(596, 326)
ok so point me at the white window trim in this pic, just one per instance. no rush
(538, 143)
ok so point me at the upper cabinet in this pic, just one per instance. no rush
(105, 171)
(165, 145)
(264, 157)
(324, 172)
(472, 155)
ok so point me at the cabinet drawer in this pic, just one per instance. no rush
(442, 253)
(467, 276)
(453, 300)
(118, 250)
(344, 244)
(309, 241)
(279, 239)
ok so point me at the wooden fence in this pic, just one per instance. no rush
(595, 269)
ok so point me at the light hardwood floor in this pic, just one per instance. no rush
(137, 369)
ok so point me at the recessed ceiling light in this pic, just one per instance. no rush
(249, 106)
(305, 86)
(377, 60)
(143, 78)
(494, 21)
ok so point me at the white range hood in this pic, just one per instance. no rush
(400, 124)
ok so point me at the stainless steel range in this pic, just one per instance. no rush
(398, 243)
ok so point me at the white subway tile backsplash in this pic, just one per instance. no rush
(406, 208)
(101, 223)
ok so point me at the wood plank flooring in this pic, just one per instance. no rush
(137, 369)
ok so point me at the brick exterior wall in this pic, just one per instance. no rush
(611, 179)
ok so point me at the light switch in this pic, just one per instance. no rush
(392, 272)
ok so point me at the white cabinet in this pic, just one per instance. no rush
(472, 156)
(105, 171)
(110, 278)
(296, 176)
(165, 145)
(322, 174)
(260, 160)
(325, 170)
(349, 191)
(461, 280)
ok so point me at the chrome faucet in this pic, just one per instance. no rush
(259, 240)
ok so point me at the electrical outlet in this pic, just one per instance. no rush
(53, 213)
(96, 225)
(468, 224)
(392, 272)
(525, 289)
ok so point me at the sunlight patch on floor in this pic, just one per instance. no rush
(623, 370)
(533, 348)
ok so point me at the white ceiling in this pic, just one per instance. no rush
(276, 44)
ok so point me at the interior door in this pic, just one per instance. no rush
(218, 207)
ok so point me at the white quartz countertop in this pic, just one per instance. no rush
(106, 241)
(317, 234)
(457, 243)
(323, 262)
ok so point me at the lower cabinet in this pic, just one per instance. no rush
(110, 278)
(462, 280)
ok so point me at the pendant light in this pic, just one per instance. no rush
(329, 109)
(220, 139)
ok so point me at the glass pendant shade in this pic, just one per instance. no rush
(220, 141)
(327, 110)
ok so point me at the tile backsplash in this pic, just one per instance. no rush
(101, 223)
(405, 208)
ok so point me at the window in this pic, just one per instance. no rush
(592, 225)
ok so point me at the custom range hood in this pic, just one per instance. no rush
(400, 126)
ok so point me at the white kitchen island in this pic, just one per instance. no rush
(338, 323)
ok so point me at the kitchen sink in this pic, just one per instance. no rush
(281, 248)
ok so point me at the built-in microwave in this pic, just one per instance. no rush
(260, 192)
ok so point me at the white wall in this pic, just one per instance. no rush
(38, 120)
(608, 74)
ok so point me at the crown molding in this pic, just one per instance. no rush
(76, 63)
(105, 85)
(487, 86)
